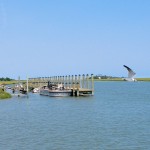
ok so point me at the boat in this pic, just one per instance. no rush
(55, 90)
(17, 92)
(36, 90)
(23, 91)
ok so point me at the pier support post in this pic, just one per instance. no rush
(66, 82)
(77, 92)
(72, 92)
(75, 81)
(87, 81)
(72, 86)
(83, 80)
(92, 84)
(69, 82)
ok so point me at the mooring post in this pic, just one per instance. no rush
(77, 92)
(79, 81)
(57, 80)
(75, 81)
(73, 85)
(54, 79)
(69, 81)
(92, 84)
(83, 78)
(63, 80)
(72, 81)
(77, 89)
(47, 80)
(66, 82)
(87, 81)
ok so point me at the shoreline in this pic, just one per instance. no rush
(120, 79)
(111, 79)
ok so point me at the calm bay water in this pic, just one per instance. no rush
(117, 117)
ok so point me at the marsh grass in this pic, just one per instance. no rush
(120, 79)
(4, 95)
(8, 82)
(143, 79)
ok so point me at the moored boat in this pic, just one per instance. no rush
(55, 90)
(55, 93)
(36, 90)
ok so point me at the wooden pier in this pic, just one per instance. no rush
(80, 85)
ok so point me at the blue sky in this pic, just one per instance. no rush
(65, 37)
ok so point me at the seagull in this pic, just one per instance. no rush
(131, 74)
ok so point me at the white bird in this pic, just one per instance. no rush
(131, 74)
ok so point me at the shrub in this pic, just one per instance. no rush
(4, 95)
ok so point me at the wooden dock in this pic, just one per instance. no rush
(81, 85)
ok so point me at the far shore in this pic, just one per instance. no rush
(109, 79)
(120, 79)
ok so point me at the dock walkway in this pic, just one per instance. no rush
(80, 85)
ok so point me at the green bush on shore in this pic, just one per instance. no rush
(4, 95)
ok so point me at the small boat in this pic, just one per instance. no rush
(18, 92)
(8, 87)
(55, 90)
(36, 90)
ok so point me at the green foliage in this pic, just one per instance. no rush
(5, 79)
(143, 79)
(3, 94)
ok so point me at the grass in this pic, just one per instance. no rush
(120, 79)
(11, 82)
(4, 95)
(8, 82)
(113, 79)
(143, 79)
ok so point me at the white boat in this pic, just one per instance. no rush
(55, 93)
(55, 90)
(36, 90)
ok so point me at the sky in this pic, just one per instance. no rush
(42, 38)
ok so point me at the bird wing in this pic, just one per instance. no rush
(131, 73)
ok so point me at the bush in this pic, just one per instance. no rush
(4, 95)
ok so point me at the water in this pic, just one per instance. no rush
(117, 117)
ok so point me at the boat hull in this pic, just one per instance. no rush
(55, 93)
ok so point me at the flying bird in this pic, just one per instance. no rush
(131, 74)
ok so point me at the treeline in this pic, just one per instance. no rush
(104, 77)
(5, 79)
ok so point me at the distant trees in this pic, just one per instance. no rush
(101, 77)
(104, 77)
(5, 79)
